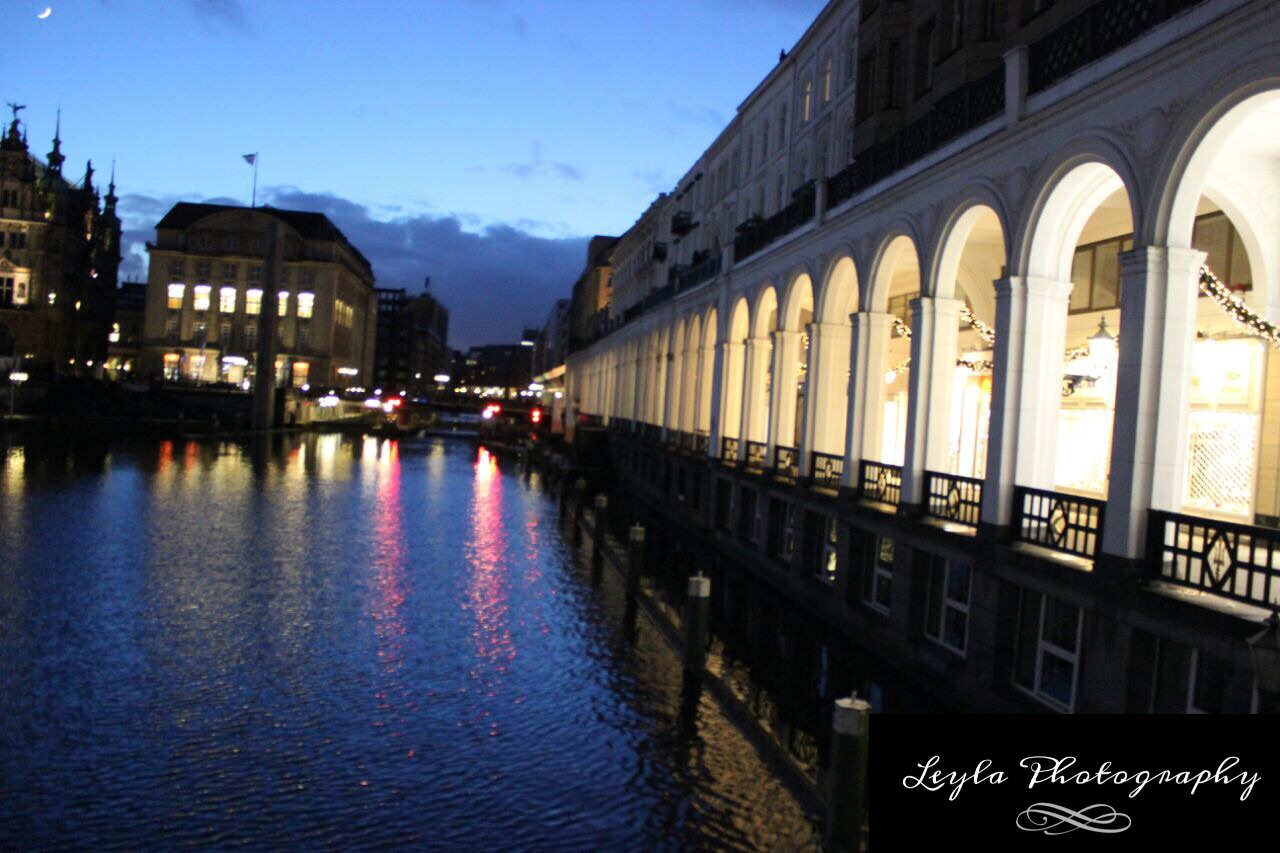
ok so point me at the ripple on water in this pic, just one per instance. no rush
(338, 644)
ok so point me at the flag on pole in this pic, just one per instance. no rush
(251, 159)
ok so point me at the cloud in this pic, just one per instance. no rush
(229, 14)
(495, 280)
(539, 166)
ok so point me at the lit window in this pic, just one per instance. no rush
(283, 303)
(176, 292)
(306, 304)
(829, 567)
(172, 363)
(947, 608)
(827, 70)
(201, 300)
(227, 300)
(879, 580)
(300, 371)
(806, 102)
(1047, 648)
(253, 301)
(114, 337)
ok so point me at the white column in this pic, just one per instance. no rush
(666, 403)
(726, 418)
(755, 394)
(826, 401)
(935, 325)
(869, 345)
(1026, 390)
(1153, 392)
(782, 402)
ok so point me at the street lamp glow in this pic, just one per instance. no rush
(18, 376)
(442, 378)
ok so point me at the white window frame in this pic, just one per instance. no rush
(227, 295)
(878, 571)
(941, 599)
(1043, 647)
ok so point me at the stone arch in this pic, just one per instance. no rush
(838, 295)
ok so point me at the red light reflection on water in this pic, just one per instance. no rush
(489, 580)
(164, 455)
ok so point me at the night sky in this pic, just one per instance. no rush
(475, 141)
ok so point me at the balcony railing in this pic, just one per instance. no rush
(1066, 523)
(828, 470)
(953, 498)
(1094, 33)
(880, 482)
(730, 450)
(959, 112)
(699, 273)
(753, 238)
(1237, 561)
(785, 462)
(757, 454)
(701, 444)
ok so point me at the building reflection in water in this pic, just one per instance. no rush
(488, 581)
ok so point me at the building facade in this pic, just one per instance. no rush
(984, 363)
(59, 258)
(412, 346)
(206, 295)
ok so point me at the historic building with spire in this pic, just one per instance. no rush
(59, 257)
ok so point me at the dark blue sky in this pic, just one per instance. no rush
(475, 141)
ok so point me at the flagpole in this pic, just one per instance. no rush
(254, 203)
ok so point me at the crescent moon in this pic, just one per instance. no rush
(48, 10)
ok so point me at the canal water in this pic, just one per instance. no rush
(339, 643)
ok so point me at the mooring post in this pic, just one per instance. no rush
(579, 507)
(601, 527)
(696, 623)
(635, 567)
(847, 804)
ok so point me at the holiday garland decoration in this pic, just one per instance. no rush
(1235, 308)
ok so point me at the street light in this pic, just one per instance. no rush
(16, 378)
(1264, 648)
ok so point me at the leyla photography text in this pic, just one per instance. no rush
(822, 425)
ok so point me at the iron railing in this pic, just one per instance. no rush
(953, 498)
(880, 482)
(757, 453)
(967, 107)
(730, 450)
(1067, 523)
(1099, 30)
(753, 237)
(702, 444)
(1237, 561)
(827, 469)
(785, 462)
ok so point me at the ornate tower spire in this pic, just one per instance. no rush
(88, 177)
(110, 198)
(55, 156)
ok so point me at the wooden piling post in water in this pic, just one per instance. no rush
(579, 505)
(696, 623)
(847, 802)
(601, 527)
(635, 567)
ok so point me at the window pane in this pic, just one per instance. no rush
(1061, 624)
(958, 584)
(1211, 237)
(954, 634)
(1056, 676)
(933, 612)
(1024, 669)
(1081, 276)
(1106, 275)
(1241, 271)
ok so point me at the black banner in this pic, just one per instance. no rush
(1072, 782)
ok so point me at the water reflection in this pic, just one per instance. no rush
(338, 642)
